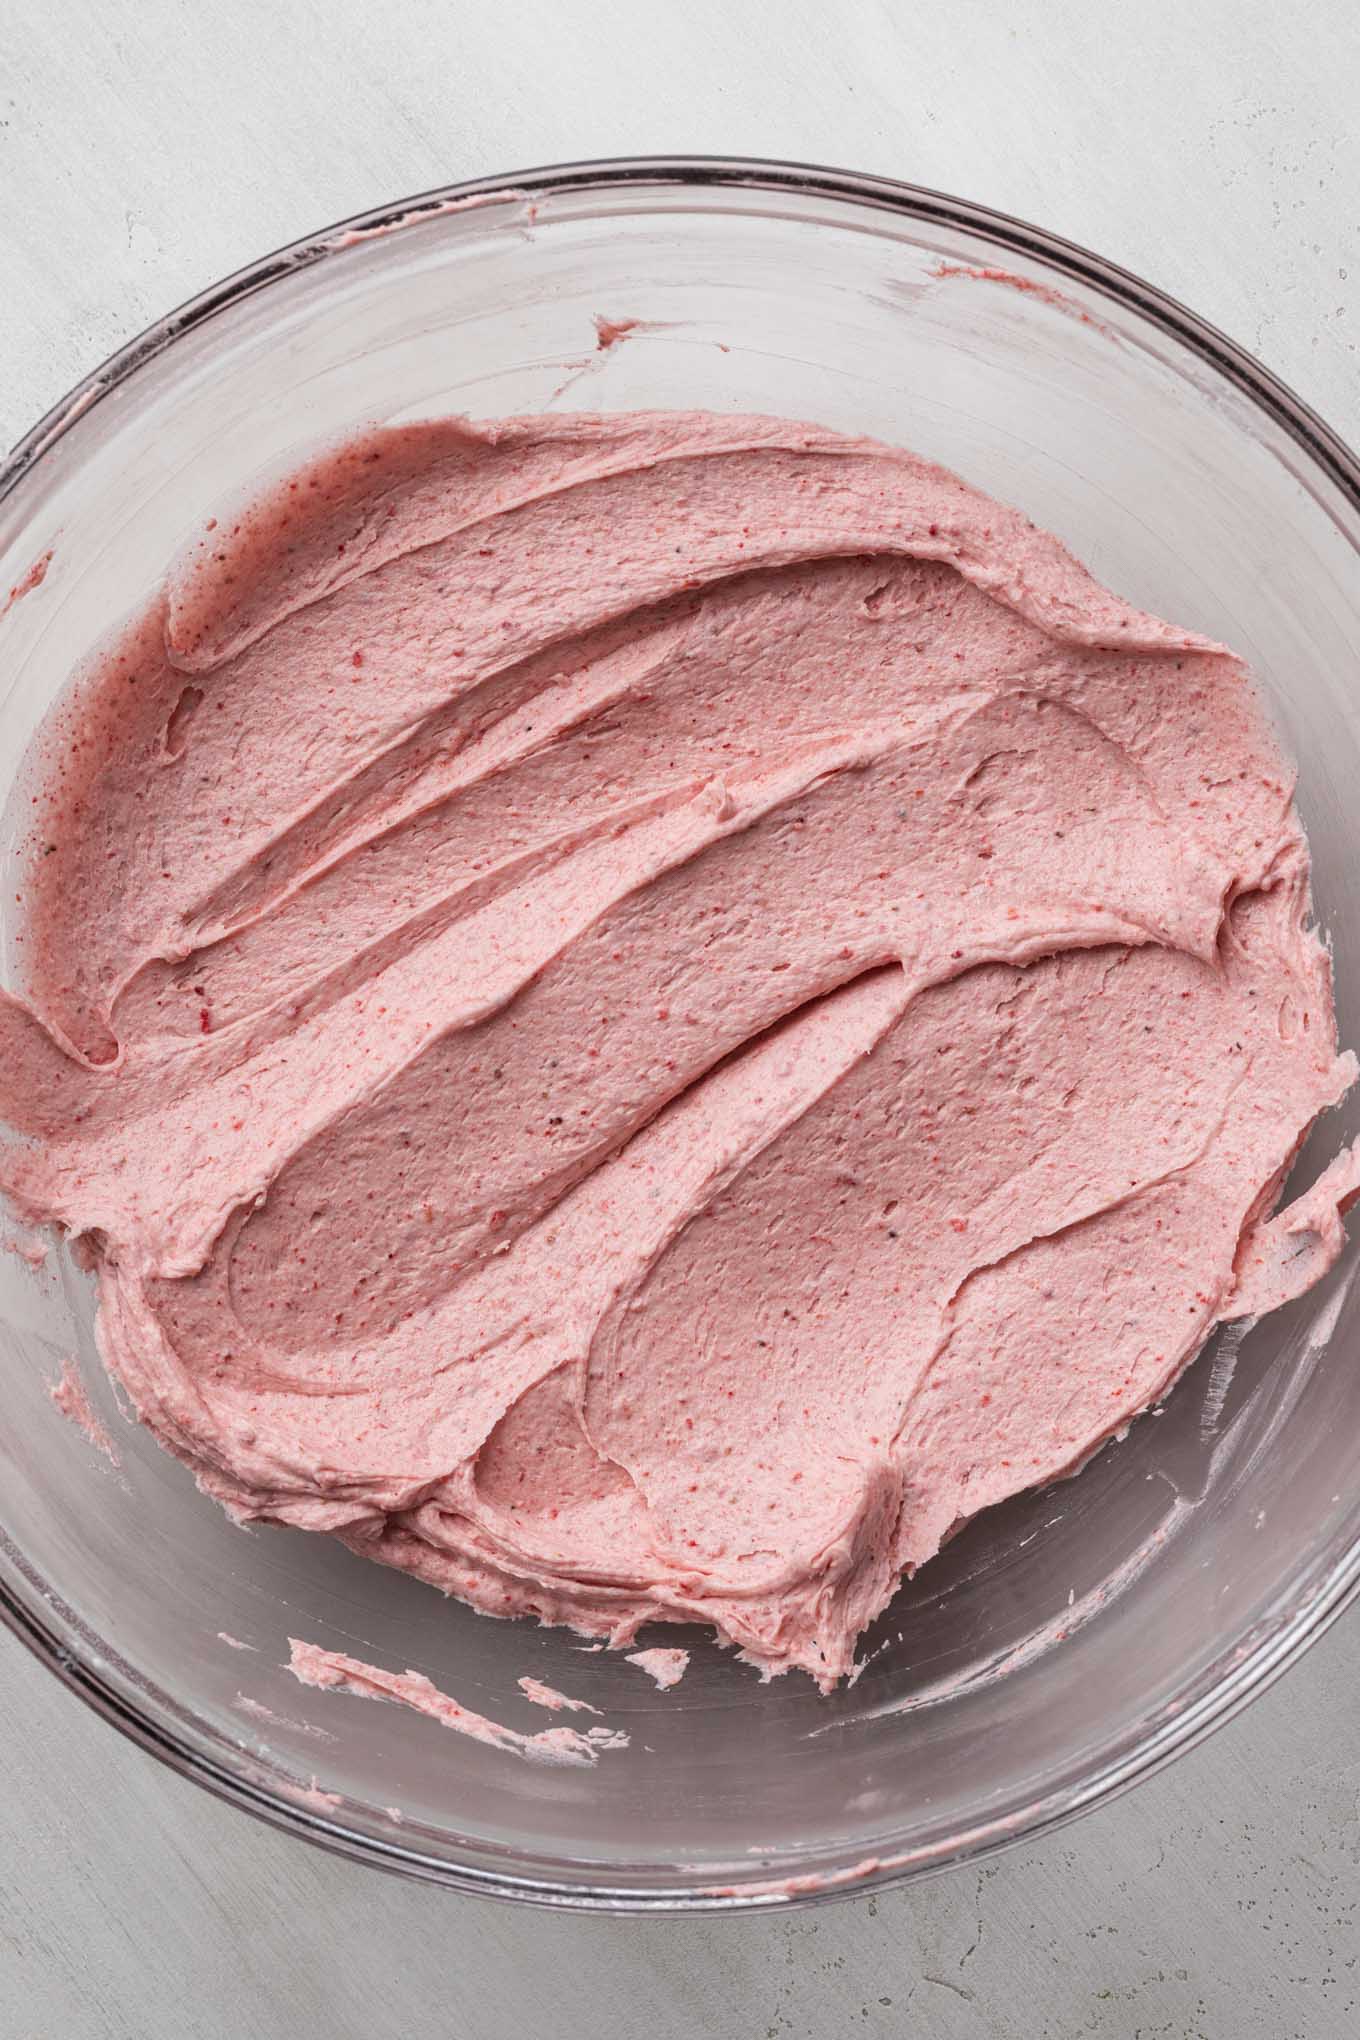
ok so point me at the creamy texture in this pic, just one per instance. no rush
(640, 1015)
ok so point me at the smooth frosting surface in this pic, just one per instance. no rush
(642, 1014)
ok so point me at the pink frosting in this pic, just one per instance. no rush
(642, 1014)
(71, 1397)
(666, 1667)
(549, 1697)
(36, 573)
(340, 1673)
(28, 1247)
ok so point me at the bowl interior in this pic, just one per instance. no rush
(1059, 1643)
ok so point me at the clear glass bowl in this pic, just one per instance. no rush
(1061, 1646)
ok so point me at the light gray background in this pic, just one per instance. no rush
(145, 150)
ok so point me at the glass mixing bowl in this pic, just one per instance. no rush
(1062, 1646)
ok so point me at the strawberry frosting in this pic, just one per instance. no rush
(641, 1014)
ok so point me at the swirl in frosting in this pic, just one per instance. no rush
(642, 1014)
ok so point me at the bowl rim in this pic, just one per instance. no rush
(1323, 1586)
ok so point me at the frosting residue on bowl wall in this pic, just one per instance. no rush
(335, 1671)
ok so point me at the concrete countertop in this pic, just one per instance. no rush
(146, 151)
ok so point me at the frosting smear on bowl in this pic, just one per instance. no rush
(641, 1014)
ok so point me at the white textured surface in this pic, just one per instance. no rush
(146, 151)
